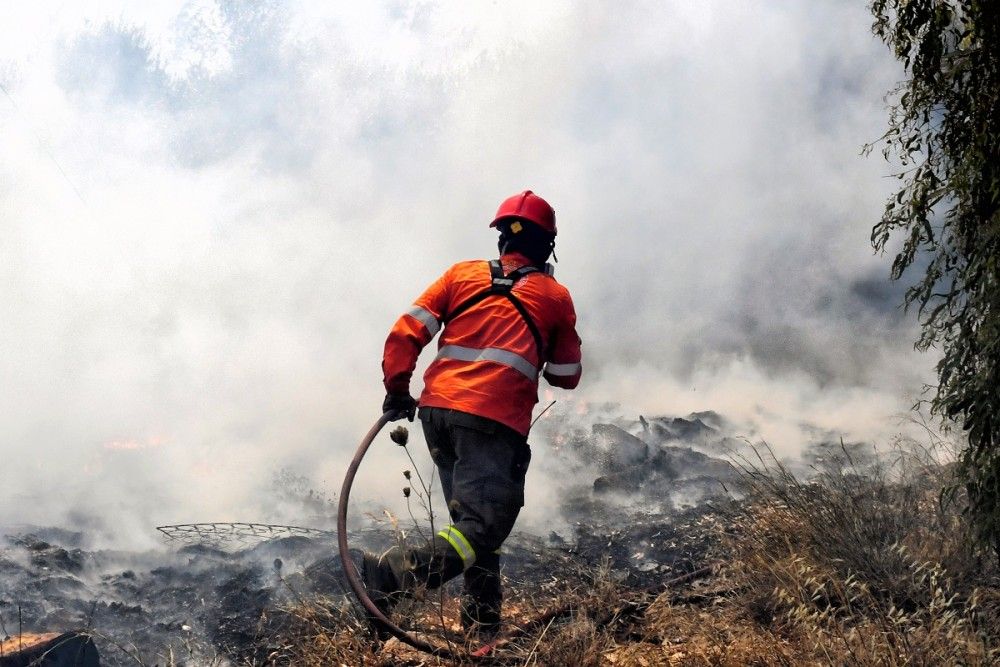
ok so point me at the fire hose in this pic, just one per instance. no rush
(374, 613)
(351, 571)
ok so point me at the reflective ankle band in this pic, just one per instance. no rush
(457, 540)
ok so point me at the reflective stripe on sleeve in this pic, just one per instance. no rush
(457, 540)
(505, 357)
(426, 318)
(562, 369)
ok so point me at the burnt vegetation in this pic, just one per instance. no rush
(843, 557)
(850, 559)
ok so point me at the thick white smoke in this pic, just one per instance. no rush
(212, 212)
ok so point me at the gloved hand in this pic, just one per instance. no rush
(403, 405)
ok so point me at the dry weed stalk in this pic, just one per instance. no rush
(863, 564)
(318, 634)
(859, 564)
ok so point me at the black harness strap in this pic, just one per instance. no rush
(501, 285)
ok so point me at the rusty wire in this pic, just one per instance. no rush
(236, 532)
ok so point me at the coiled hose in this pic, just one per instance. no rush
(351, 571)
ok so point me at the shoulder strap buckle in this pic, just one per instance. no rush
(501, 284)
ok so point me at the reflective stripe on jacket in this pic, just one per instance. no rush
(487, 362)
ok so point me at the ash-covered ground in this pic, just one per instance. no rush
(632, 494)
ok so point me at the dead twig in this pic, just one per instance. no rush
(537, 642)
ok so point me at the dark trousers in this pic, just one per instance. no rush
(482, 465)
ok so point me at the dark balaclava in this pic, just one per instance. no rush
(527, 238)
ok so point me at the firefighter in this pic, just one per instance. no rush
(503, 323)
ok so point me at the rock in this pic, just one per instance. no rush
(647, 566)
(617, 448)
(48, 534)
(666, 429)
(663, 471)
(45, 556)
(685, 463)
(625, 481)
(710, 418)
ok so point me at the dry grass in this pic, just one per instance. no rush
(317, 634)
(720, 634)
(858, 564)
(862, 565)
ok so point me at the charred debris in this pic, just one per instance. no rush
(638, 504)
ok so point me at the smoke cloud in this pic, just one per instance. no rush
(212, 212)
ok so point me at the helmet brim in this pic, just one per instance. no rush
(496, 222)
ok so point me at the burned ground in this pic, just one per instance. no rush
(850, 563)
(640, 493)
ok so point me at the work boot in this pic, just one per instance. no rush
(430, 565)
(482, 598)
(395, 574)
(380, 580)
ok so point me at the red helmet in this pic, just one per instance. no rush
(527, 206)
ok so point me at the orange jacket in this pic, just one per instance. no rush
(488, 361)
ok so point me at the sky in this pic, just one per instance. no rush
(212, 212)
